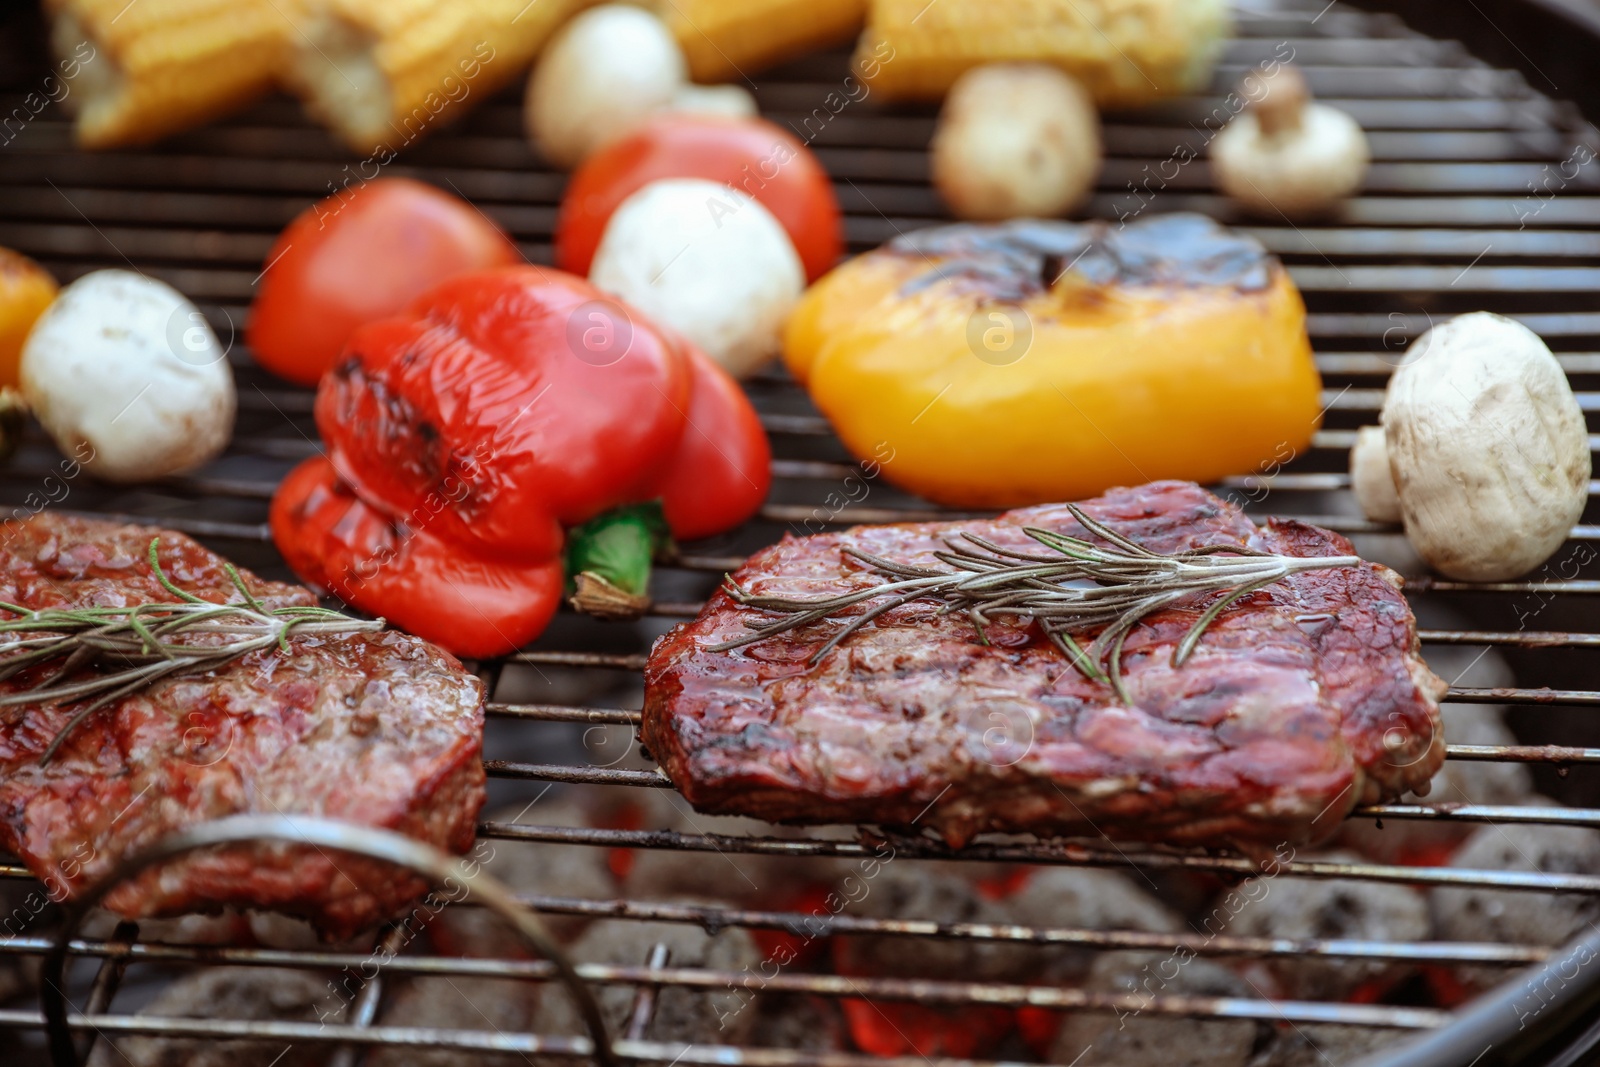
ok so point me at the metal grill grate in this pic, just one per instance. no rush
(1454, 218)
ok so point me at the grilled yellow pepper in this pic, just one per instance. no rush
(1030, 361)
(26, 289)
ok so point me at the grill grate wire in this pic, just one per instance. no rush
(1446, 224)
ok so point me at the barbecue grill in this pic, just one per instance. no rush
(1477, 199)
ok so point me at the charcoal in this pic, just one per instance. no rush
(1313, 1045)
(457, 1002)
(534, 867)
(1138, 1038)
(254, 993)
(730, 877)
(720, 1016)
(903, 890)
(798, 1021)
(1089, 899)
(1517, 916)
(1336, 908)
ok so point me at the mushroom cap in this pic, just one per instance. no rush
(1370, 478)
(1014, 140)
(1293, 171)
(602, 73)
(706, 260)
(125, 365)
(728, 101)
(1488, 448)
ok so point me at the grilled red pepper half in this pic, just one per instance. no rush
(512, 417)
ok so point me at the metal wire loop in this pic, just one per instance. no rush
(439, 867)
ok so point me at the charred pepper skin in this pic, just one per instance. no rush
(1034, 360)
(465, 438)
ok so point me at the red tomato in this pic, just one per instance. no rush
(723, 467)
(752, 155)
(359, 256)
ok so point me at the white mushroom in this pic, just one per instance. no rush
(728, 101)
(125, 374)
(1370, 477)
(1286, 154)
(707, 261)
(1015, 139)
(601, 74)
(1487, 446)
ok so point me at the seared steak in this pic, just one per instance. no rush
(380, 729)
(1303, 699)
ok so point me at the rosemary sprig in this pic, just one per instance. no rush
(1072, 589)
(144, 643)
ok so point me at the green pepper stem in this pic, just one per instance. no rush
(608, 560)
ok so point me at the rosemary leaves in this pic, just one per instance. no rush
(1073, 589)
(144, 643)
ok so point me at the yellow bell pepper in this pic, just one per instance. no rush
(26, 289)
(1030, 361)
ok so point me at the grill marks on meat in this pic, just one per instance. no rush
(379, 729)
(1302, 701)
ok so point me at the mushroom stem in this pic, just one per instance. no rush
(1281, 108)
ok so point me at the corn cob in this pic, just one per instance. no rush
(153, 67)
(1125, 52)
(725, 40)
(381, 73)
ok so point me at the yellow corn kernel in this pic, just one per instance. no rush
(381, 73)
(1125, 52)
(159, 66)
(725, 40)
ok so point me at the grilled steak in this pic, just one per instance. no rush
(380, 729)
(1303, 699)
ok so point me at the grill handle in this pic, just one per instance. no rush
(395, 848)
(1547, 1016)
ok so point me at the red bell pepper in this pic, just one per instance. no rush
(510, 417)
